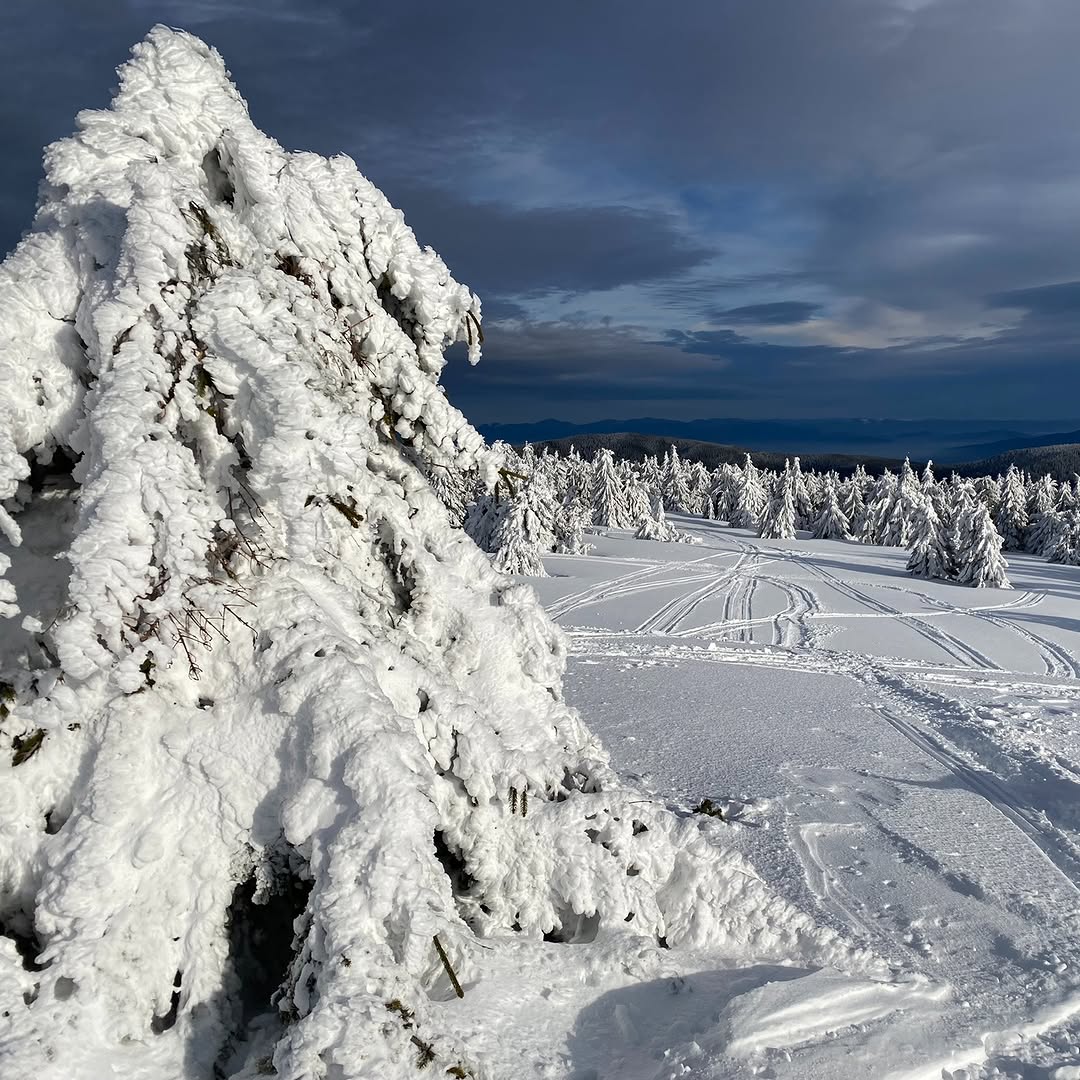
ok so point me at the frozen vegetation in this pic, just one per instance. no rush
(288, 768)
(290, 783)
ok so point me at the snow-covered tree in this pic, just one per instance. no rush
(654, 525)
(832, 522)
(674, 485)
(1011, 519)
(851, 502)
(521, 535)
(981, 563)
(778, 518)
(801, 498)
(1042, 503)
(881, 503)
(750, 497)
(931, 556)
(278, 723)
(608, 493)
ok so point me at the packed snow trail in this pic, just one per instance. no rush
(919, 787)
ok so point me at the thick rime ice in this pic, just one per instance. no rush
(274, 724)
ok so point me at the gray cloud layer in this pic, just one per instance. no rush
(841, 206)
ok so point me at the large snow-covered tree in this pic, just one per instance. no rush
(271, 723)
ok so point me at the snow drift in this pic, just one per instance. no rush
(270, 724)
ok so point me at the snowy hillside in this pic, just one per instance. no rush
(899, 757)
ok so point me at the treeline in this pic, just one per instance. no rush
(955, 528)
(1061, 462)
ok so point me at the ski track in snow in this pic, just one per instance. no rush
(915, 698)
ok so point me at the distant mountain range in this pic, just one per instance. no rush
(946, 441)
(1060, 461)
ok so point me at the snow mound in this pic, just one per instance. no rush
(270, 724)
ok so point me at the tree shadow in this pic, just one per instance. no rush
(634, 1024)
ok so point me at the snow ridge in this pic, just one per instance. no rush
(276, 679)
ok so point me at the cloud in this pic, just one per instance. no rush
(506, 250)
(778, 313)
(862, 188)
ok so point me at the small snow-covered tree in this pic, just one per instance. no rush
(1042, 502)
(521, 536)
(778, 519)
(608, 494)
(655, 526)
(880, 506)
(801, 497)
(1011, 519)
(832, 522)
(930, 556)
(674, 486)
(750, 497)
(981, 563)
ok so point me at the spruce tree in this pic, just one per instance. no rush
(832, 522)
(778, 519)
(608, 495)
(930, 553)
(273, 729)
(982, 565)
(1011, 519)
(750, 497)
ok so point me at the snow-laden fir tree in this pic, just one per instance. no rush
(881, 502)
(832, 522)
(851, 502)
(698, 482)
(279, 723)
(674, 484)
(931, 556)
(801, 497)
(778, 518)
(638, 499)
(1062, 543)
(1042, 502)
(1011, 519)
(722, 493)
(750, 497)
(980, 562)
(522, 534)
(608, 493)
(654, 525)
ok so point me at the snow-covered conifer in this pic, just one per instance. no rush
(270, 683)
(674, 485)
(832, 522)
(1011, 519)
(981, 563)
(778, 518)
(931, 556)
(750, 497)
(608, 493)
(801, 497)
(521, 535)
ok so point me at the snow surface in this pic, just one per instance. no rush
(899, 757)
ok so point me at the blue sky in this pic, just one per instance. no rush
(752, 208)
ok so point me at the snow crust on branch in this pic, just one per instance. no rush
(274, 665)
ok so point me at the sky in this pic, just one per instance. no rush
(739, 208)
